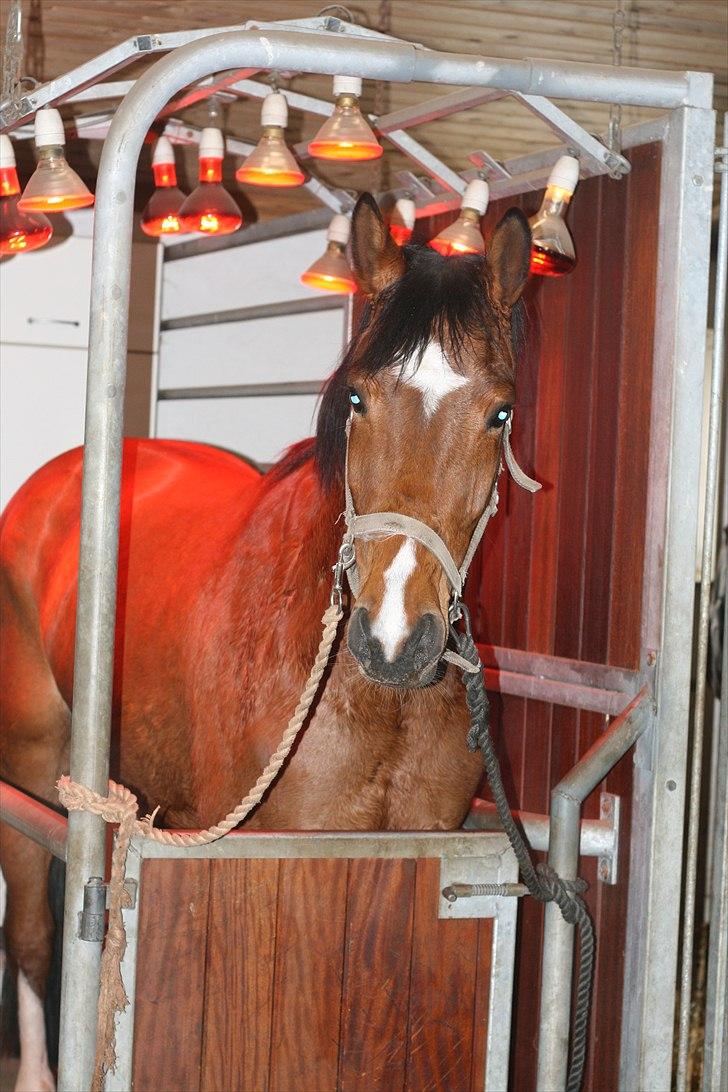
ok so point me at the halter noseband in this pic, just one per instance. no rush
(385, 524)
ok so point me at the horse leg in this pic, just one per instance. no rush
(35, 724)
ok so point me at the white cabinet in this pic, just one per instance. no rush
(42, 393)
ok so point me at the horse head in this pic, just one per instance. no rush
(414, 419)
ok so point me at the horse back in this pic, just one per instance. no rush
(182, 505)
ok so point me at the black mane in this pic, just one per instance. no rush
(439, 298)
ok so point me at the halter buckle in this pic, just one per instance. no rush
(344, 561)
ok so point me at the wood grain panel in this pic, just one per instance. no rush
(442, 993)
(375, 998)
(171, 975)
(308, 975)
(239, 978)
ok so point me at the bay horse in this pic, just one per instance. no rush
(224, 575)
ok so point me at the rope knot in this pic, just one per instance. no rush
(565, 893)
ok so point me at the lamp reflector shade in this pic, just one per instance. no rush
(271, 163)
(346, 134)
(462, 237)
(161, 213)
(20, 231)
(54, 186)
(331, 271)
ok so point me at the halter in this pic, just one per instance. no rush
(385, 524)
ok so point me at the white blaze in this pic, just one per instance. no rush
(390, 626)
(34, 1074)
(433, 377)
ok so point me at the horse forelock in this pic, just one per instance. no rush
(439, 299)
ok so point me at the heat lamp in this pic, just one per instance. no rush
(331, 271)
(210, 208)
(161, 214)
(346, 134)
(272, 163)
(552, 250)
(54, 186)
(20, 231)
(464, 235)
(402, 221)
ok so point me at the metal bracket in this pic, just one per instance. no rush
(92, 919)
(609, 812)
(492, 878)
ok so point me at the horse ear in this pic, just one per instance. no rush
(378, 261)
(509, 256)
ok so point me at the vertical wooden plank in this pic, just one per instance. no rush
(442, 993)
(375, 996)
(239, 979)
(308, 975)
(481, 1010)
(634, 407)
(171, 975)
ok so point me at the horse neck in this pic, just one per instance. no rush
(285, 555)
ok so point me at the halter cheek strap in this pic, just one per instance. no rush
(385, 524)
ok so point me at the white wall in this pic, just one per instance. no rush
(272, 350)
(44, 316)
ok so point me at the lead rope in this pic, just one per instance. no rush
(541, 880)
(120, 806)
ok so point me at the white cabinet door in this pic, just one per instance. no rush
(42, 393)
(44, 296)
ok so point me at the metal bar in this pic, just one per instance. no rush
(330, 302)
(659, 779)
(715, 1060)
(432, 109)
(420, 155)
(597, 838)
(572, 133)
(701, 666)
(281, 227)
(243, 844)
(562, 669)
(558, 938)
(307, 103)
(241, 390)
(34, 819)
(553, 691)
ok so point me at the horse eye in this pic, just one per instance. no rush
(356, 401)
(500, 417)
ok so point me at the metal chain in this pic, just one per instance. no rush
(614, 131)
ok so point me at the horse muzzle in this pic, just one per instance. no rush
(415, 664)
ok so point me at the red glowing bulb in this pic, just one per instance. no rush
(20, 232)
(161, 214)
(210, 208)
(464, 236)
(552, 251)
(402, 222)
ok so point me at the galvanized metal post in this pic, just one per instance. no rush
(558, 938)
(659, 792)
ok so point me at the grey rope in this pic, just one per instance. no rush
(542, 882)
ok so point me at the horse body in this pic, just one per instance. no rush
(224, 575)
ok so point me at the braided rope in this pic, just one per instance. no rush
(120, 806)
(542, 882)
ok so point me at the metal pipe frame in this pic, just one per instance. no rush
(331, 302)
(598, 837)
(659, 781)
(34, 819)
(706, 577)
(558, 940)
(355, 53)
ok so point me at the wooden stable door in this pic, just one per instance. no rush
(307, 975)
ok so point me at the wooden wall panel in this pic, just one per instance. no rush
(171, 975)
(307, 975)
(239, 975)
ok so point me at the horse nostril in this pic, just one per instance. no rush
(359, 637)
(427, 641)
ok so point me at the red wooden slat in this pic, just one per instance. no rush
(375, 997)
(239, 978)
(171, 975)
(308, 975)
